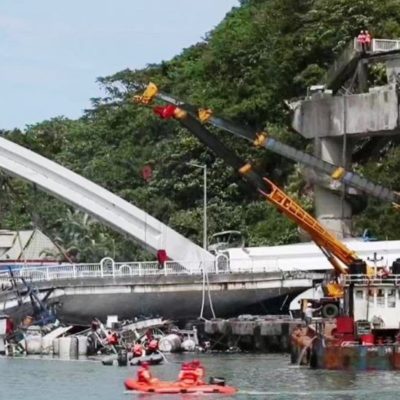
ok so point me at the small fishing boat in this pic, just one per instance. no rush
(122, 359)
(365, 337)
(152, 359)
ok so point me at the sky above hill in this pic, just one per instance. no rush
(52, 51)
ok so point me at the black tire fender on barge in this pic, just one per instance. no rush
(330, 310)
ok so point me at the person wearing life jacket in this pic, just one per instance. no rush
(9, 325)
(149, 335)
(187, 375)
(152, 347)
(361, 40)
(191, 373)
(112, 338)
(199, 371)
(137, 350)
(144, 374)
(162, 258)
(367, 41)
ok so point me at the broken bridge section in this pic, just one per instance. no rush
(100, 203)
(343, 110)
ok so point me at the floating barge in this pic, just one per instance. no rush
(365, 337)
(252, 333)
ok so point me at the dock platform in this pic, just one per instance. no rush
(268, 333)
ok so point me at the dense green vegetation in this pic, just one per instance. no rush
(264, 52)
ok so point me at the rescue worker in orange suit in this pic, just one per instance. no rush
(149, 335)
(191, 374)
(361, 40)
(112, 338)
(152, 347)
(144, 374)
(137, 350)
(199, 371)
(162, 258)
(187, 375)
(9, 326)
(368, 41)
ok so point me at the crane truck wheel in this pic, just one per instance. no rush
(330, 310)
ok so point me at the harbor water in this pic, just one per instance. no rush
(257, 376)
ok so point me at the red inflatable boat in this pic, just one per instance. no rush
(177, 387)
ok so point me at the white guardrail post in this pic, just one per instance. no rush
(105, 264)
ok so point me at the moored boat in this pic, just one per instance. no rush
(152, 359)
(367, 334)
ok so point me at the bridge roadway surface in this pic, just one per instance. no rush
(176, 296)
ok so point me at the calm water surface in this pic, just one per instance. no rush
(257, 376)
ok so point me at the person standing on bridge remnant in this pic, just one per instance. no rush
(361, 40)
(162, 258)
(368, 41)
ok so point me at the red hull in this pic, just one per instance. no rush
(382, 357)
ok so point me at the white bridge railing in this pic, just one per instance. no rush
(108, 268)
(379, 45)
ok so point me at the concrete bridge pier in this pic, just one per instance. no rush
(393, 70)
(343, 108)
(263, 333)
(331, 207)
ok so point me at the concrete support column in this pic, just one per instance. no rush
(393, 70)
(331, 208)
(362, 76)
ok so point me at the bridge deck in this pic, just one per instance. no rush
(344, 66)
(177, 296)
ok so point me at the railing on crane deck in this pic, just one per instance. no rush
(377, 280)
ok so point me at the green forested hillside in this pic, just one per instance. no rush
(263, 52)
